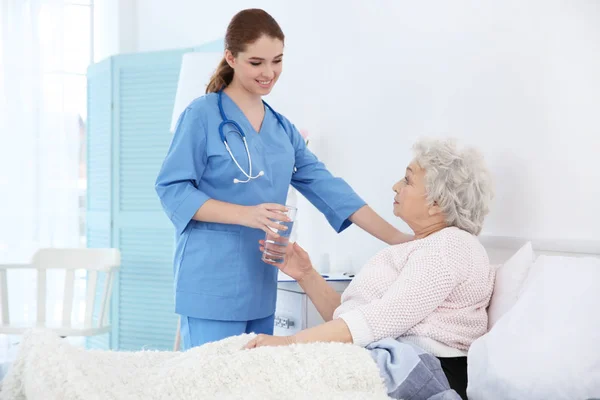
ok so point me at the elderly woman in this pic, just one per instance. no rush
(432, 291)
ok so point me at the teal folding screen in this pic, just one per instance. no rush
(130, 102)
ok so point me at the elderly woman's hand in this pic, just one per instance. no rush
(297, 263)
(268, 340)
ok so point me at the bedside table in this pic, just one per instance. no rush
(294, 311)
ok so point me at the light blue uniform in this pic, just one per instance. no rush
(219, 274)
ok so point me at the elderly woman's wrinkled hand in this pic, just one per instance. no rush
(268, 340)
(297, 263)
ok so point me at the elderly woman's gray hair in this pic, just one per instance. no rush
(457, 180)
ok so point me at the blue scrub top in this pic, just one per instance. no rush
(218, 269)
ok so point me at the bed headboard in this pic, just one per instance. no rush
(500, 248)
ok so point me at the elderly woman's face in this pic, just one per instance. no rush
(410, 202)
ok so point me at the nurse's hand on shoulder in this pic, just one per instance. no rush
(268, 340)
(263, 216)
(297, 263)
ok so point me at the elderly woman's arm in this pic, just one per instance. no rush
(426, 280)
(322, 295)
(297, 264)
(332, 331)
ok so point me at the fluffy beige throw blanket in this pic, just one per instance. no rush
(48, 368)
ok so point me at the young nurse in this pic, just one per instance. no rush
(221, 184)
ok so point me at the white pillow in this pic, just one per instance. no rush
(546, 347)
(510, 277)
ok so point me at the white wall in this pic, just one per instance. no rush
(517, 79)
(115, 29)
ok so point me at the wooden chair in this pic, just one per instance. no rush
(94, 262)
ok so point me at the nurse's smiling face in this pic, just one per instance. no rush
(259, 66)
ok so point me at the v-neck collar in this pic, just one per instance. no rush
(239, 110)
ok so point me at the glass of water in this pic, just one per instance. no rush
(275, 247)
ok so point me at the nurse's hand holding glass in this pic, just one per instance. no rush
(224, 183)
(262, 216)
(266, 217)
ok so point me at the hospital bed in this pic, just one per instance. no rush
(542, 347)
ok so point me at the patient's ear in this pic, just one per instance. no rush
(434, 209)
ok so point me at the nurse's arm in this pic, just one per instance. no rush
(260, 216)
(335, 198)
(367, 219)
(219, 212)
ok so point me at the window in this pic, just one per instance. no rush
(65, 59)
(45, 50)
(64, 76)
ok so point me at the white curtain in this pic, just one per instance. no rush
(40, 132)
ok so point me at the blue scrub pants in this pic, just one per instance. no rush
(196, 331)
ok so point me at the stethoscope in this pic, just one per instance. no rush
(242, 135)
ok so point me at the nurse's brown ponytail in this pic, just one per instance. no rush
(221, 78)
(245, 28)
